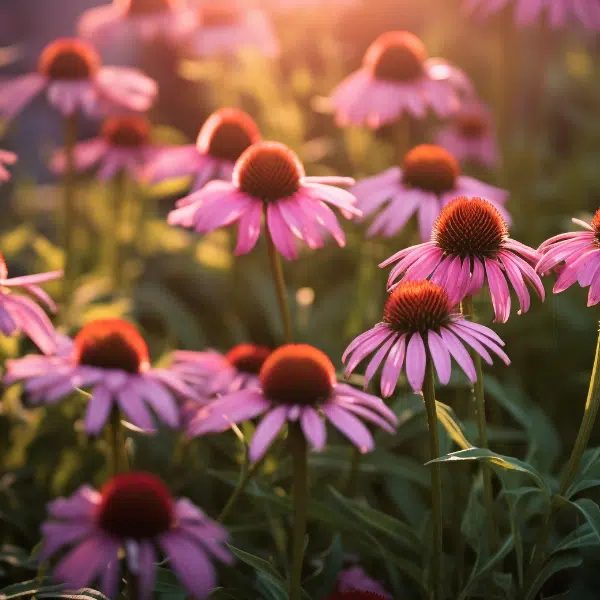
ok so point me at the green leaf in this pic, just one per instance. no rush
(28, 588)
(591, 511)
(450, 423)
(557, 563)
(582, 537)
(481, 570)
(82, 594)
(507, 463)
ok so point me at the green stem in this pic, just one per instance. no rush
(353, 473)
(479, 401)
(246, 477)
(115, 234)
(279, 281)
(585, 429)
(118, 456)
(69, 212)
(436, 481)
(300, 489)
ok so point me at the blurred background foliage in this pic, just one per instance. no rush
(187, 292)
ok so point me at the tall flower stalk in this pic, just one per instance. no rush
(69, 211)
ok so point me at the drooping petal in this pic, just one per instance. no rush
(440, 356)
(313, 428)
(268, 429)
(350, 426)
(416, 359)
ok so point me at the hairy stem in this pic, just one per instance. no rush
(246, 477)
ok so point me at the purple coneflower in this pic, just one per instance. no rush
(72, 72)
(358, 595)
(297, 383)
(227, 28)
(138, 18)
(109, 357)
(124, 145)
(268, 177)
(468, 246)
(214, 373)
(557, 12)
(419, 320)
(396, 78)
(580, 253)
(6, 158)
(355, 580)
(221, 141)
(470, 136)
(134, 513)
(20, 313)
(429, 179)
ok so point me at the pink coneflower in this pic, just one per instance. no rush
(396, 78)
(468, 246)
(227, 28)
(269, 177)
(75, 79)
(221, 141)
(124, 145)
(135, 514)
(557, 12)
(355, 580)
(470, 136)
(429, 179)
(136, 18)
(6, 158)
(297, 383)
(214, 373)
(419, 319)
(580, 253)
(20, 313)
(109, 357)
(357, 595)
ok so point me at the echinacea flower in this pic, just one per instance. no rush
(580, 253)
(226, 28)
(6, 158)
(470, 136)
(354, 579)
(297, 383)
(144, 19)
(20, 313)
(268, 177)
(110, 358)
(75, 79)
(430, 177)
(133, 514)
(396, 78)
(468, 246)
(557, 12)
(212, 373)
(358, 595)
(420, 320)
(124, 145)
(221, 141)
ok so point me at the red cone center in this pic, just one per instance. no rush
(596, 226)
(218, 15)
(417, 306)
(269, 171)
(147, 7)
(430, 168)
(3, 268)
(472, 125)
(248, 358)
(129, 131)
(135, 506)
(297, 374)
(470, 227)
(397, 56)
(111, 344)
(227, 133)
(69, 60)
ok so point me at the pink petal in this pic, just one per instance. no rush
(313, 428)
(350, 426)
(440, 355)
(268, 429)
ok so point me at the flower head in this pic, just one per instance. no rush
(397, 77)
(269, 177)
(557, 12)
(124, 145)
(143, 19)
(354, 580)
(420, 321)
(357, 595)
(468, 246)
(470, 135)
(19, 313)
(297, 383)
(428, 179)
(6, 158)
(72, 72)
(109, 357)
(226, 28)
(580, 253)
(225, 135)
(137, 513)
